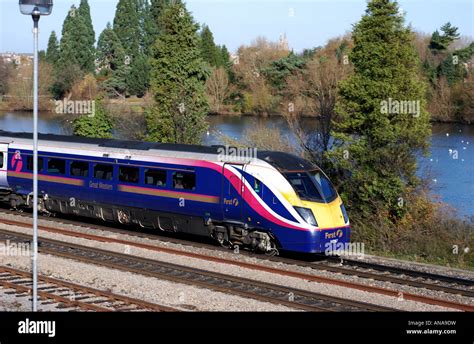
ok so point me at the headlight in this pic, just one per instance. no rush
(344, 213)
(307, 215)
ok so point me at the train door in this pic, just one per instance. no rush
(232, 194)
(3, 165)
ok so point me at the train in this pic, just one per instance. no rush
(267, 201)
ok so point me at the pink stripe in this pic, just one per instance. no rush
(248, 196)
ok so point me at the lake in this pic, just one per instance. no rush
(449, 166)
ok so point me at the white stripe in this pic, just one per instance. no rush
(263, 204)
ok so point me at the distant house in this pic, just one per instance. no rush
(17, 58)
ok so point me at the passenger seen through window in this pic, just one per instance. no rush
(184, 180)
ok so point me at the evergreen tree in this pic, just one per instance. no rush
(152, 24)
(116, 84)
(209, 51)
(110, 52)
(177, 81)
(97, 125)
(127, 26)
(129, 29)
(52, 53)
(453, 66)
(142, 10)
(139, 75)
(441, 42)
(69, 44)
(68, 67)
(375, 143)
(89, 35)
(280, 69)
(224, 61)
(75, 45)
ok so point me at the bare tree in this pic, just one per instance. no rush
(85, 89)
(441, 106)
(315, 87)
(20, 87)
(217, 89)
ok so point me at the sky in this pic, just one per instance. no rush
(306, 23)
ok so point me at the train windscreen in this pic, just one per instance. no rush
(304, 186)
(312, 186)
(324, 185)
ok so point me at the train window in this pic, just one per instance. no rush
(304, 186)
(184, 180)
(56, 166)
(324, 185)
(1, 160)
(104, 172)
(79, 169)
(155, 177)
(29, 163)
(128, 174)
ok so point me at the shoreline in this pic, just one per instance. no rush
(130, 110)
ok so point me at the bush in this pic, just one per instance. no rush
(429, 232)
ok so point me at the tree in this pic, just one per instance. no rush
(453, 67)
(375, 142)
(177, 81)
(209, 51)
(464, 98)
(441, 42)
(20, 88)
(85, 13)
(139, 75)
(248, 75)
(96, 125)
(152, 23)
(253, 59)
(52, 53)
(217, 86)
(110, 52)
(312, 90)
(277, 72)
(116, 84)
(224, 61)
(76, 54)
(127, 27)
(85, 89)
(5, 74)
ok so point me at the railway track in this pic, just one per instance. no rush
(70, 296)
(397, 275)
(267, 292)
(394, 275)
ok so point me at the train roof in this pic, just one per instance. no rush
(114, 143)
(285, 161)
(279, 160)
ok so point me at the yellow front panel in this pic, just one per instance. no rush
(328, 215)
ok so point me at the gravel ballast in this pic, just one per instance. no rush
(78, 272)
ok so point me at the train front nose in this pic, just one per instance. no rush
(333, 225)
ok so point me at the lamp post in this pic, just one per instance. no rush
(35, 8)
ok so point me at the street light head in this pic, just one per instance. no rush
(36, 7)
